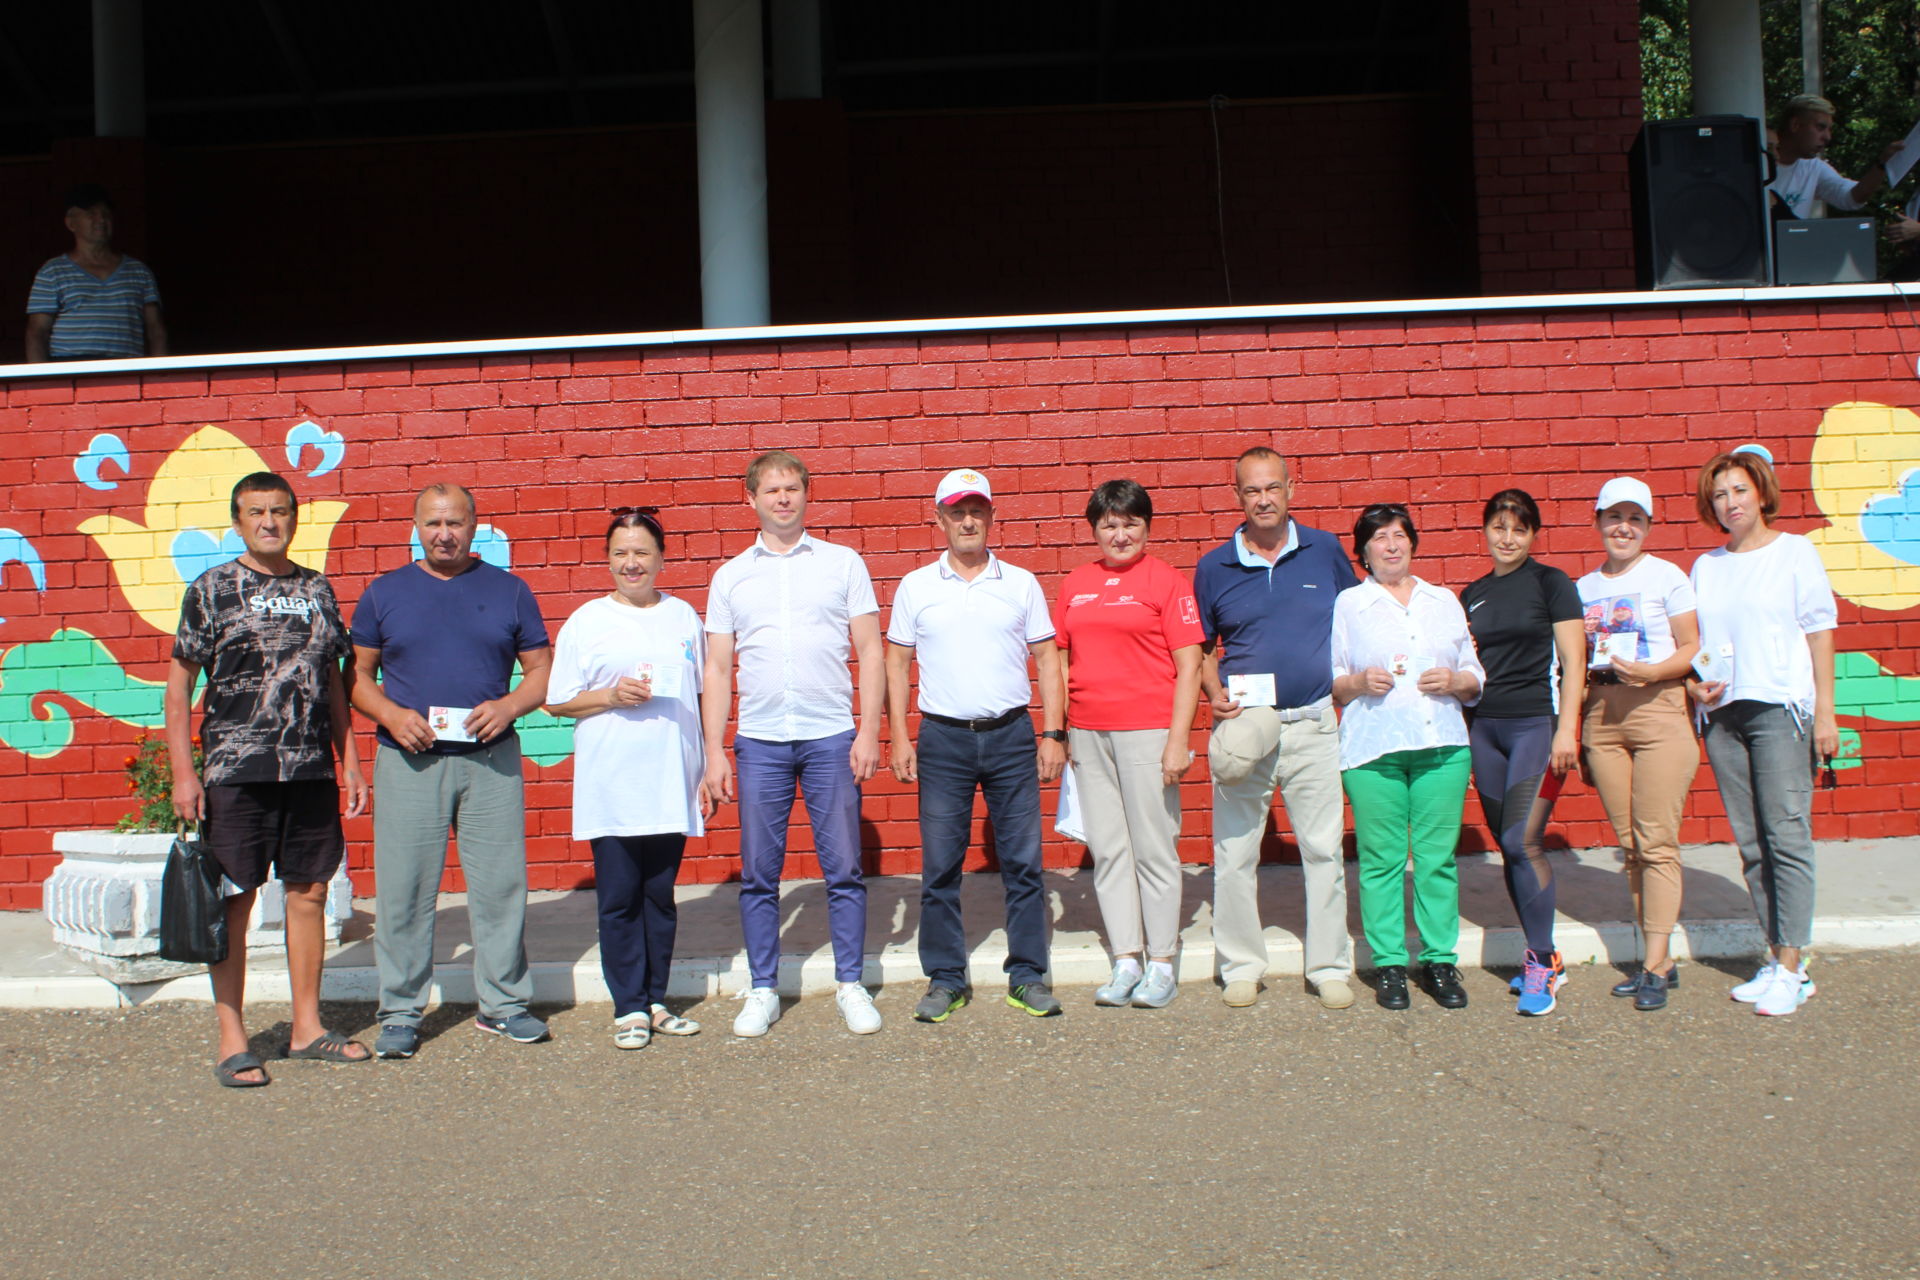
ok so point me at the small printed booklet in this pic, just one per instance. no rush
(1714, 665)
(664, 678)
(1606, 645)
(449, 724)
(1407, 668)
(1254, 689)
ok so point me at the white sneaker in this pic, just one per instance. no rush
(1748, 992)
(856, 1006)
(762, 1011)
(1788, 992)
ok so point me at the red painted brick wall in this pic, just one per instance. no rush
(1436, 410)
(1556, 105)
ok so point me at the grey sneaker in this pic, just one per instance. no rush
(940, 1002)
(1156, 990)
(1035, 998)
(1119, 988)
(523, 1028)
(397, 1040)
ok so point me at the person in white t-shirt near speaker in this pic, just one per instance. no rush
(1767, 618)
(1805, 129)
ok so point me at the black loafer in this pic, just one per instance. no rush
(1390, 987)
(1653, 990)
(1442, 982)
(1631, 987)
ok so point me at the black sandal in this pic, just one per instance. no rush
(228, 1072)
(328, 1046)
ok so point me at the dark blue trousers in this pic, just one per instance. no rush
(633, 883)
(1003, 764)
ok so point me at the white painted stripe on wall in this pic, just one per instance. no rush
(976, 324)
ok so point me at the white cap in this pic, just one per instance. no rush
(1625, 489)
(966, 482)
(1758, 450)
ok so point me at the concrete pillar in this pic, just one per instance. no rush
(730, 119)
(797, 64)
(119, 70)
(1728, 75)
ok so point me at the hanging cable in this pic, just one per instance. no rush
(1214, 104)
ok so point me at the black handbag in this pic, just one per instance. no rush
(193, 914)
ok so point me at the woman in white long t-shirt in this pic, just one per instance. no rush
(1767, 617)
(627, 668)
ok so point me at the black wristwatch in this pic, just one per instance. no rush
(1058, 735)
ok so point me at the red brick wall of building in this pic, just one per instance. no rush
(1438, 410)
(1556, 105)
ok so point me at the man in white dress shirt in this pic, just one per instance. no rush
(972, 619)
(789, 605)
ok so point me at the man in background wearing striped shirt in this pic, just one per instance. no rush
(93, 302)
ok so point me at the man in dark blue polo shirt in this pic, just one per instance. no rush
(1266, 602)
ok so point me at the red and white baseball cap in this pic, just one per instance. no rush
(964, 483)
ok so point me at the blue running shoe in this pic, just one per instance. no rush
(1538, 983)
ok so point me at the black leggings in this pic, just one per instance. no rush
(1517, 792)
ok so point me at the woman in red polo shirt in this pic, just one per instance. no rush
(1129, 636)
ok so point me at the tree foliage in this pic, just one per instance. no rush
(1870, 65)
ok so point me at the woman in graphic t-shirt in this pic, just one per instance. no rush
(1403, 664)
(1526, 623)
(1129, 636)
(627, 669)
(1640, 750)
(1767, 617)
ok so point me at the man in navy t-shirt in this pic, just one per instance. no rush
(1266, 603)
(443, 634)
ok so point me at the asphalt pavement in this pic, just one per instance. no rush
(1282, 1140)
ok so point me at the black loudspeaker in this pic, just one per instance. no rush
(1700, 204)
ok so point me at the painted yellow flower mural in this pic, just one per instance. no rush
(189, 526)
(1866, 480)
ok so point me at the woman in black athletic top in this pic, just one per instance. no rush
(1526, 621)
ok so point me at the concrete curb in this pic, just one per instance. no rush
(898, 967)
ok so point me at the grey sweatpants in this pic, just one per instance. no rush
(418, 798)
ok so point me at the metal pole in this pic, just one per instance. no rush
(1811, 80)
(1728, 73)
(730, 114)
(119, 70)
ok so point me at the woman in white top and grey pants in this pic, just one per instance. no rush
(1767, 617)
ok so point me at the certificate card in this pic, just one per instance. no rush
(449, 724)
(666, 678)
(1254, 689)
(1603, 649)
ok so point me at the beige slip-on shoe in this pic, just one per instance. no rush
(1241, 994)
(1334, 993)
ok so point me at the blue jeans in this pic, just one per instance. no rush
(1762, 761)
(768, 774)
(1003, 764)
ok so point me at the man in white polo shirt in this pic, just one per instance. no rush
(789, 605)
(973, 619)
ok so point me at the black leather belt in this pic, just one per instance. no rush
(1602, 675)
(977, 726)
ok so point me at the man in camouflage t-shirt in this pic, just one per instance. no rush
(268, 634)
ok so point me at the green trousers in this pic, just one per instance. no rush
(1410, 802)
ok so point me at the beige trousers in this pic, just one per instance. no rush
(1305, 767)
(1132, 822)
(1642, 754)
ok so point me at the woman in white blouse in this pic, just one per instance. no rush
(1767, 617)
(627, 667)
(1403, 664)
